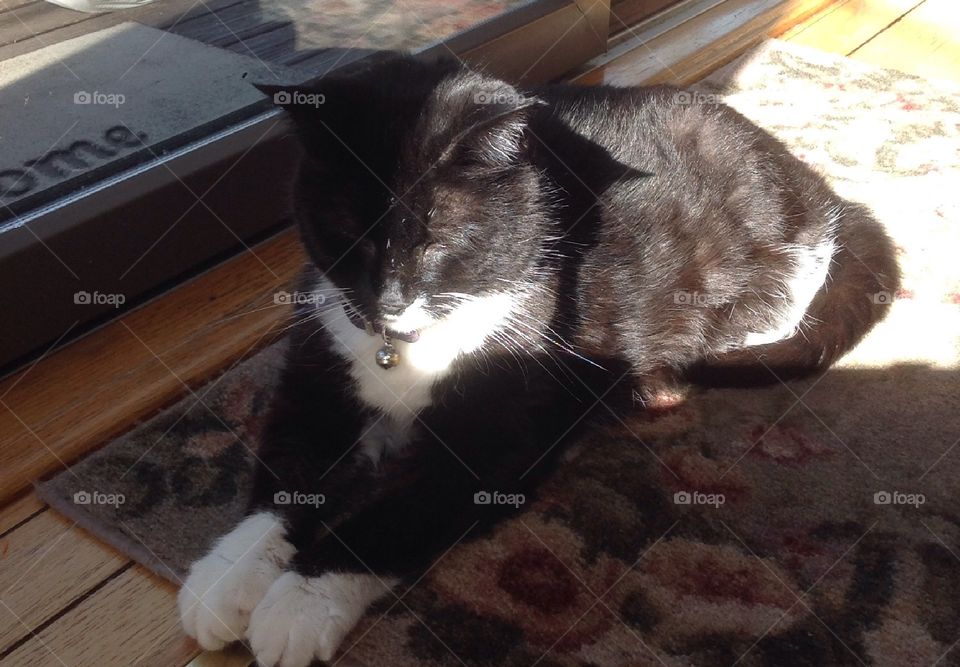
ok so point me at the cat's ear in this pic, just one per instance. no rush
(497, 134)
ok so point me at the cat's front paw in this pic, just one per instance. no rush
(303, 618)
(225, 586)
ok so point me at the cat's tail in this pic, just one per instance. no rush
(861, 284)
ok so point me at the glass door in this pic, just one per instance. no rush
(134, 150)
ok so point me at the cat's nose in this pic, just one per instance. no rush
(391, 308)
(391, 299)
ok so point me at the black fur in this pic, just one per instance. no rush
(607, 203)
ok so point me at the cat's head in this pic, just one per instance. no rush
(416, 196)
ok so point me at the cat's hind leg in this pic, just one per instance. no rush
(861, 283)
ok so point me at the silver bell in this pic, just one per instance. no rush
(387, 356)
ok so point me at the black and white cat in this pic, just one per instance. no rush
(493, 269)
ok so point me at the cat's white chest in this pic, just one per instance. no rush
(402, 391)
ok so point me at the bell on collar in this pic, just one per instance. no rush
(387, 356)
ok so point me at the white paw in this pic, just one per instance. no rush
(303, 618)
(225, 586)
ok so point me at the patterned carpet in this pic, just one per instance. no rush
(814, 523)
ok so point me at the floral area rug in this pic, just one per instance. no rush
(809, 523)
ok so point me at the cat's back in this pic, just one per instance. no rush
(654, 127)
(661, 156)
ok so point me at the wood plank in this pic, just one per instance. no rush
(80, 396)
(238, 656)
(625, 13)
(925, 42)
(634, 36)
(845, 27)
(60, 24)
(8, 5)
(19, 510)
(270, 45)
(569, 36)
(698, 46)
(131, 621)
(48, 563)
(32, 21)
(233, 656)
(231, 24)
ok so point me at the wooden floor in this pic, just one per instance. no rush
(66, 599)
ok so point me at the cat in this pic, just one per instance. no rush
(491, 271)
